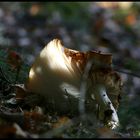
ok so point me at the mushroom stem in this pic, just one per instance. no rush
(107, 111)
(83, 88)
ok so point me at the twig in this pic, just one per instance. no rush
(116, 68)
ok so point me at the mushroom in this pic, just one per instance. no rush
(57, 75)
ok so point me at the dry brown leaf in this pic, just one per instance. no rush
(32, 120)
(105, 132)
(61, 122)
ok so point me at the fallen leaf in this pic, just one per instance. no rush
(105, 132)
(32, 120)
(61, 121)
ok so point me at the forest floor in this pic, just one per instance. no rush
(25, 28)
